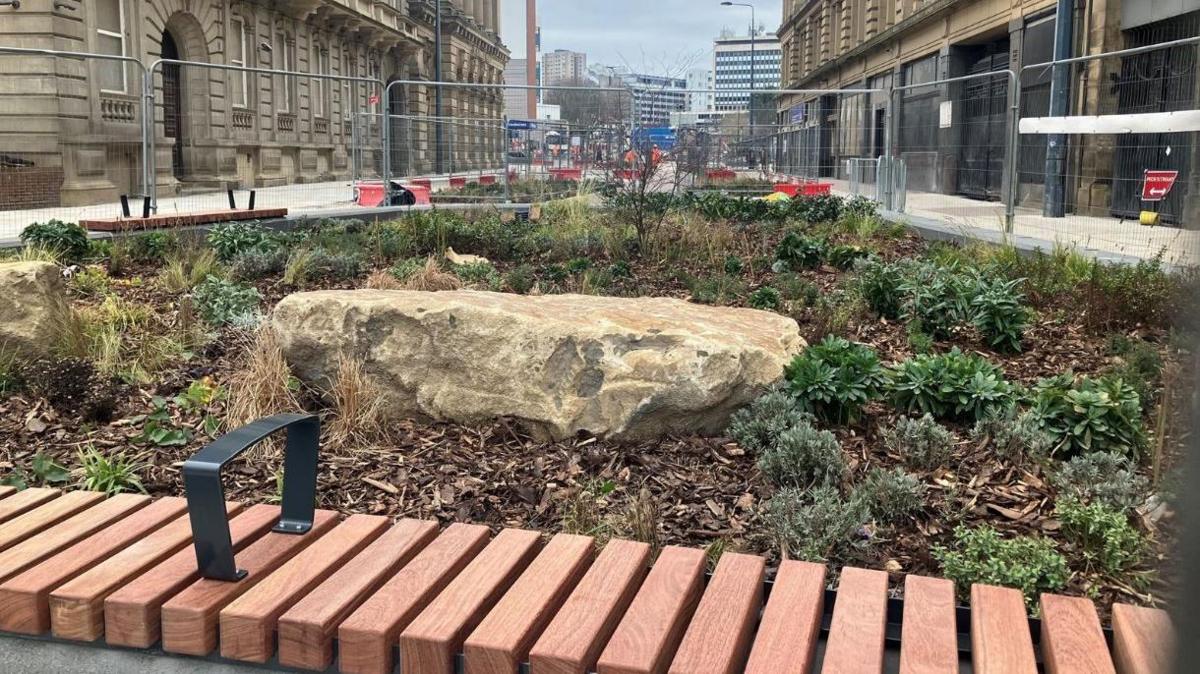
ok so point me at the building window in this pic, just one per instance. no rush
(286, 60)
(320, 86)
(110, 39)
(240, 81)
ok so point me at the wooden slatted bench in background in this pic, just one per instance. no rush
(364, 589)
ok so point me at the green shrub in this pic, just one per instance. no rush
(67, 239)
(835, 378)
(918, 340)
(796, 251)
(733, 265)
(220, 302)
(803, 456)
(1140, 366)
(1099, 477)
(765, 298)
(890, 495)
(1013, 435)
(334, 265)
(1089, 415)
(952, 385)
(922, 442)
(256, 263)
(402, 270)
(152, 246)
(719, 290)
(521, 278)
(1103, 536)
(578, 265)
(110, 475)
(1126, 296)
(231, 238)
(998, 312)
(478, 273)
(937, 296)
(759, 425)
(796, 288)
(844, 256)
(880, 285)
(818, 525)
(980, 555)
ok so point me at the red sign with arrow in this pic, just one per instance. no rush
(1158, 184)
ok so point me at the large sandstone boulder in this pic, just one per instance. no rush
(31, 299)
(614, 367)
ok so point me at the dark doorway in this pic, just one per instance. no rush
(173, 104)
(879, 132)
(984, 112)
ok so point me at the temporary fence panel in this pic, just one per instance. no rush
(953, 142)
(296, 140)
(1128, 178)
(72, 142)
(455, 139)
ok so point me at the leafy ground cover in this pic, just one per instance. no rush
(962, 411)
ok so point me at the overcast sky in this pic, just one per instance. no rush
(658, 36)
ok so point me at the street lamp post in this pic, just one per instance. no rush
(753, 30)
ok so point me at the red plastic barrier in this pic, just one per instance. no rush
(816, 189)
(370, 194)
(790, 189)
(721, 174)
(566, 174)
(458, 182)
(423, 182)
(487, 180)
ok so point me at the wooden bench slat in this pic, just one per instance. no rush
(366, 638)
(787, 635)
(718, 638)
(572, 642)
(929, 639)
(189, 619)
(646, 638)
(45, 516)
(133, 614)
(77, 607)
(1072, 640)
(33, 550)
(6, 491)
(25, 598)
(1000, 638)
(430, 642)
(1143, 640)
(248, 623)
(859, 627)
(24, 501)
(502, 640)
(306, 630)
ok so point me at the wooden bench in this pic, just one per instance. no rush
(180, 220)
(363, 589)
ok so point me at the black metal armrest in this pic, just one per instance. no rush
(206, 495)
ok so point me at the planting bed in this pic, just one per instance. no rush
(160, 353)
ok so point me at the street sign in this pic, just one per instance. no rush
(520, 125)
(1158, 184)
(374, 99)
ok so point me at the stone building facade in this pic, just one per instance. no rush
(79, 120)
(952, 136)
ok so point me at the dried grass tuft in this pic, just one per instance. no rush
(357, 407)
(383, 280)
(263, 385)
(432, 278)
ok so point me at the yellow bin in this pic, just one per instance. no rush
(1148, 218)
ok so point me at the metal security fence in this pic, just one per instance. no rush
(75, 138)
(297, 140)
(1123, 166)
